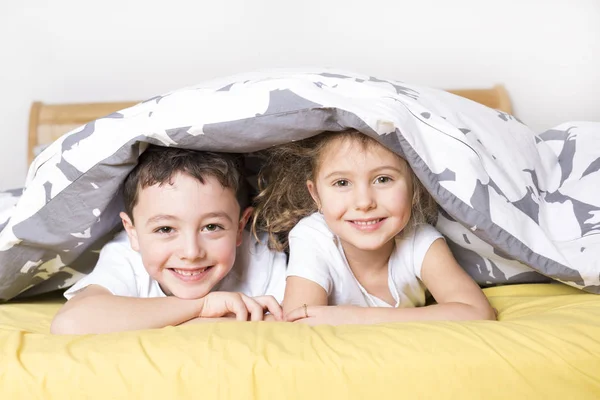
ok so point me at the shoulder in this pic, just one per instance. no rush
(311, 226)
(420, 233)
(120, 242)
(120, 270)
(256, 268)
(118, 250)
(426, 232)
(252, 247)
(412, 247)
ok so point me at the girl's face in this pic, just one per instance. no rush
(364, 193)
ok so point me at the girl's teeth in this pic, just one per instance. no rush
(365, 223)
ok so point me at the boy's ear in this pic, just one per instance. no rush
(131, 232)
(312, 189)
(242, 224)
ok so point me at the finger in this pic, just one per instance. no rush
(256, 310)
(297, 314)
(270, 303)
(237, 306)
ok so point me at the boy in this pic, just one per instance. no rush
(185, 213)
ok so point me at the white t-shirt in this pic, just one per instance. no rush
(257, 271)
(316, 254)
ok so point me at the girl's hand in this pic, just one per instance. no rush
(222, 304)
(329, 315)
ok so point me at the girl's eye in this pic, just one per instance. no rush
(383, 179)
(212, 227)
(164, 229)
(341, 182)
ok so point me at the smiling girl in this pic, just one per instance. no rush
(353, 217)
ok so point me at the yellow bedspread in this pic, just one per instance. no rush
(545, 346)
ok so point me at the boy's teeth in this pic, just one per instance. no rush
(190, 273)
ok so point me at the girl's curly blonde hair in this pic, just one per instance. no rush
(284, 199)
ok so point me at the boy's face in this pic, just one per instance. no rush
(187, 234)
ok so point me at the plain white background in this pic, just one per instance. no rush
(547, 53)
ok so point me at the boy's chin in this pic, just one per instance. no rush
(190, 294)
(186, 293)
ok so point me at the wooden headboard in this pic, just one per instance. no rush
(47, 122)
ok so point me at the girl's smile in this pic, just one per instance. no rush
(367, 225)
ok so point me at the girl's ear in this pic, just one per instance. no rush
(312, 189)
(131, 232)
(242, 224)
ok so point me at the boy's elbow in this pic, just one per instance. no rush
(64, 324)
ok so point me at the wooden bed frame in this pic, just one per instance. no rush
(47, 122)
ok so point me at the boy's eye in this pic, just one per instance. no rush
(164, 229)
(383, 179)
(341, 182)
(212, 227)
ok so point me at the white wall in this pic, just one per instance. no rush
(547, 53)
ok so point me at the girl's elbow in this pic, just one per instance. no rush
(487, 313)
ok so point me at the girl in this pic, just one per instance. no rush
(360, 251)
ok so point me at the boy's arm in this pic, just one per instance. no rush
(457, 295)
(96, 310)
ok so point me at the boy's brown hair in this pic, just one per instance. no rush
(158, 165)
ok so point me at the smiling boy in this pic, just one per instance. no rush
(184, 254)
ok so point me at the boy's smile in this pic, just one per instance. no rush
(190, 275)
(187, 233)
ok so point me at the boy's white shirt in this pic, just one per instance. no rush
(257, 271)
(316, 254)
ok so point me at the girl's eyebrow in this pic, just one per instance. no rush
(373, 171)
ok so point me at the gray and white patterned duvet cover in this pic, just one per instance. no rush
(517, 207)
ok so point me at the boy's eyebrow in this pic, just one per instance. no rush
(375, 170)
(217, 214)
(159, 217)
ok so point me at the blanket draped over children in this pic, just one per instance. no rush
(516, 206)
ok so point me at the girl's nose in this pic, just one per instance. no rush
(364, 199)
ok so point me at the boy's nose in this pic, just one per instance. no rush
(192, 249)
(364, 199)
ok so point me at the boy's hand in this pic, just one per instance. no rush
(265, 303)
(220, 304)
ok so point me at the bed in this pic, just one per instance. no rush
(546, 343)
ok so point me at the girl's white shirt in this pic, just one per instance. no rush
(316, 254)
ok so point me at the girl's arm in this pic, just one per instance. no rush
(458, 298)
(300, 291)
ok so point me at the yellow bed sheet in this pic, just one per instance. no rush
(545, 346)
